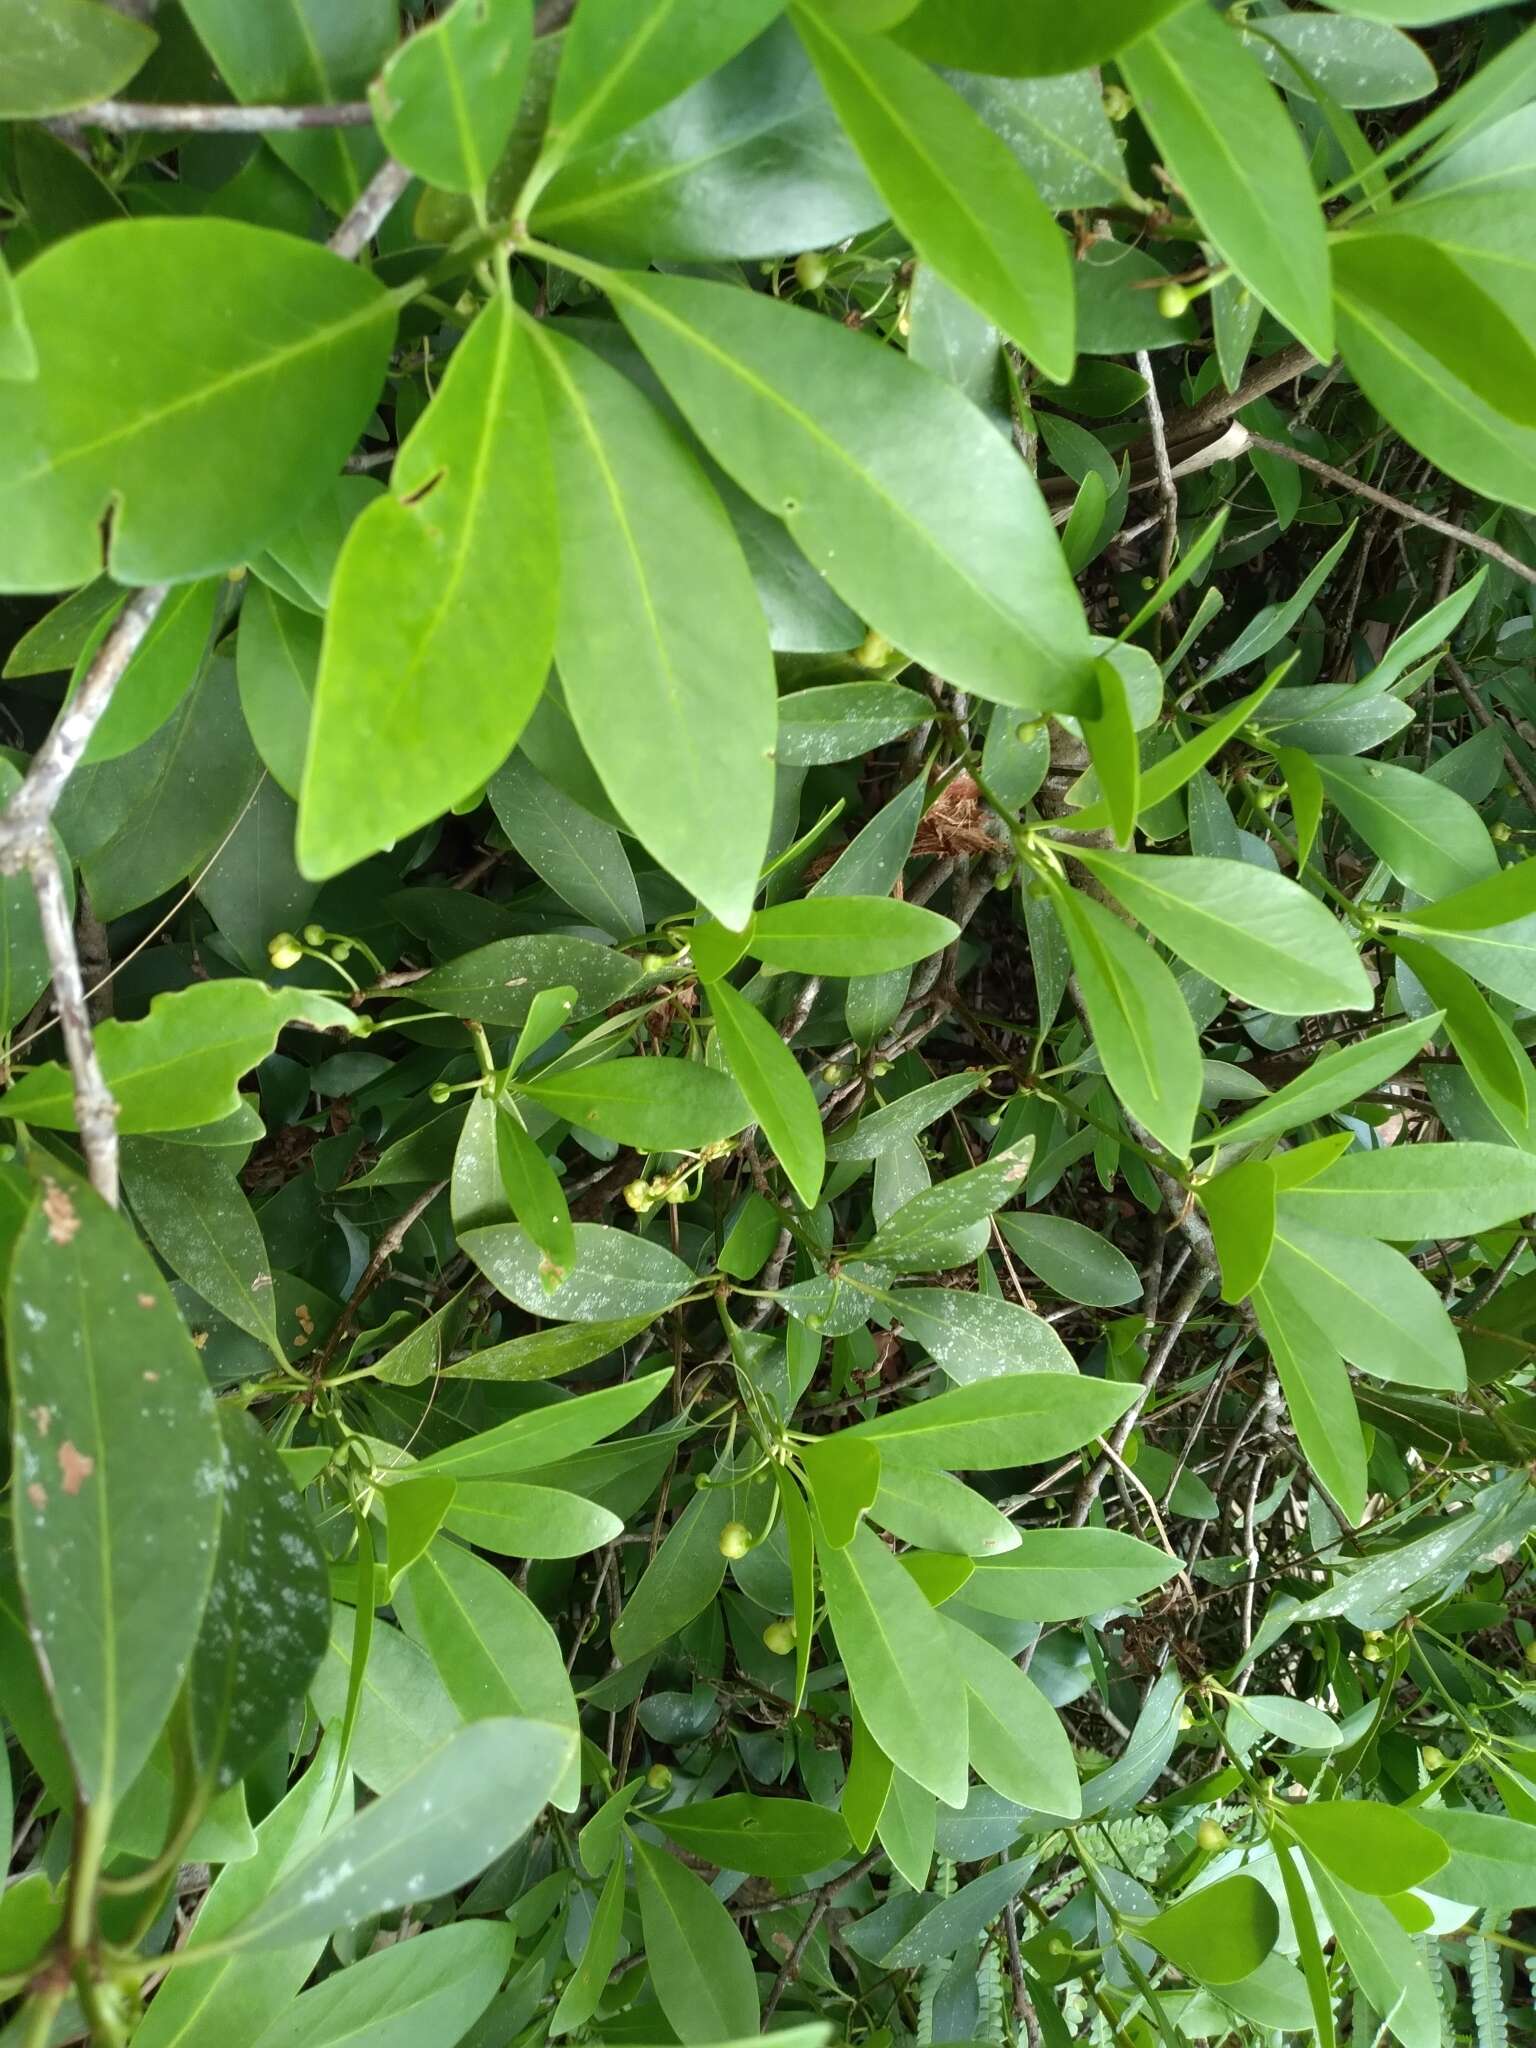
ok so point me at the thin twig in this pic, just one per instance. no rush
(1167, 490)
(132, 117)
(95, 1109)
(1432, 520)
(388, 1244)
(372, 209)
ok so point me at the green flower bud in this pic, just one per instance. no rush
(315, 935)
(655, 963)
(638, 1196)
(1529, 1654)
(1117, 102)
(284, 950)
(834, 1073)
(880, 1068)
(439, 1092)
(779, 1637)
(874, 650)
(658, 1778)
(1433, 1759)
(735, 1540)
(811, 270)
(1211, 1836)
(1501, 832)
(1173, 301)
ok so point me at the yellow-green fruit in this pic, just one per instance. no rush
(1211, 1836)
(735, 1539)
(811, 270)
(1173, 302)
(779, 1637)
(659, 1778)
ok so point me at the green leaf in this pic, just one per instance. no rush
(498, 984)
(1017, 1419)
(1219, 1934)
(955, 189)
(683, 1577)
(1141, 1027)
(1411, 1192)
(1064, 1574)
(268, 1616)
(159, 674)
(936, 1512)
(623, 61)
(800, 1541)
(1318, 1395)
(699, 1965)
(546, 1433)
(446, 101)
(1355, 63)
(106, 1387)
(581, 857)
(277, 370)
(1073, 1261)
(748, 162)
(1331, 1081)
(430, 1988)
(775, 1088)
(1388, 1967)
(515, 1520)
(1378, 1309)
(1430, 838)
(925, 1231)
(1112, 742)
(674, 700)
(1497, 1064)
(893, 1648)
(1231, 148)
(1270, 626)
(891, 483)
(534, 1191)
(777, 1838)
(1294, 1721)
(841, 721)
(193, 1210)
(445, 594)
(1491, 1863)
(542, 1354)
(179, 1066)
(61, 54)
(277, 657)
(993, 35)
(1240, 1207)
(589, 1980)
(295, 55)
(1246, 928)
(467, 1802)
(842, 1477)
(1373, 1847)
(1017, 1744)
(617, 1276)
(413, 1513)
(878, 1132)
(847, 935)
(1497, 899)
(659, 1105)
(494, 1650)
(975, 1335)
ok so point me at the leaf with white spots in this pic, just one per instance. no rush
(441, 1826)
(268, 1617)
(107, 1394)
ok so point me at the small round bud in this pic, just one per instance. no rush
(1501, 832)
(993, 1119)
(779, 1637)
(834, 1073)
(1433, 1759)
(1211, 1836)
(1374, 1635)
(315, 935)
(816, 1323)
(1027, 733)
(1173, 302)
(638, 1195)
(658, 1778)
(1373, 1653)
(880, 1068)
(284, 950)
(674, 1192)
(735, 1540)
(342, 950)
(1529, 1654)
(811, 270)
(1149, 583)
(1117, 102)
(439, 1092)
(874, 650)
(655, 963)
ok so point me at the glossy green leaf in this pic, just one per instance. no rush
(105, 1387)
(1495, 899)
(534, 1191)
(1077, 1263)
(61, 54)
(1141, 1028)
(192, 1209)
(954, 188)
(1063, 1574)
(1416, 1191)
(414, 1508)
(445, 591)
(446, 100)
(1331, 1081)
(588, 1981)
(1387, 1965)
(674, 700)
(1234, 154)
(1017, 1745)
(617, 1276)
(277, 657)
(543, 1354)
(847, 935)
(776, 1090)
(179, 1066)
(683, 1577)
(699, 1964)
(974, 1336)
(285, 360)
(622, 62)
(1219, 1934)
(497, 984)
(1294, 1721)
(1250, 930)
(842, 1477)
(831, 434)
(928, 1232)
(1016, 1419)
(1490, 1858)
(936, 1512)
(546, 1433)
(1371, 1846)
(1376, 1307)
(893, 1647)
(1111, 737)
(1239, 1205)
(1317, 1392)
(516, 1520)
(780, 1838)
(659, 1105)
(581, 857)
(1430, 838)
(991, 35)
(1356, 63)
(466, 1802)
(878, 1131)
(432, 1987)
(840, 721)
